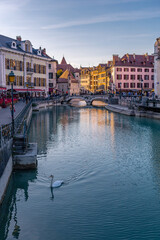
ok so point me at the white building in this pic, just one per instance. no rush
(29, 65)
(52, 76)
(157, 67)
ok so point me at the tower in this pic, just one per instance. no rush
(157, 67)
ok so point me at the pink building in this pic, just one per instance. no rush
(130, 71)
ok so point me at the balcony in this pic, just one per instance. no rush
(30, 71)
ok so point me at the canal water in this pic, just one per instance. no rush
(110, 165)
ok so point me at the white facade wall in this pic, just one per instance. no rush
(33, 59)
(53, 70)
(157, 67)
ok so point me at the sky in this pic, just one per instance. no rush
(85, 32)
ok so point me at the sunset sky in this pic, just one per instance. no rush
(86, 32)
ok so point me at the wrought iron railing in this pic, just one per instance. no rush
(19, 126)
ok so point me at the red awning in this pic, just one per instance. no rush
(29, 90)
(2, 88)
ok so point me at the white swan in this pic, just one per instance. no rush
(57, 183)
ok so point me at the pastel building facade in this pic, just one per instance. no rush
(157, 67)
(52, 66)
(29, 65)
(68, 84)
(94, 78)
(63, 66)
(132, 72)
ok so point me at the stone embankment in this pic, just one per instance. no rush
(132, 112)
(17, 152)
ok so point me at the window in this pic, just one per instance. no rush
(50, 85)
(139, 69)
(126, 69)
(132, 85)
(139, 77)
(126, 85)
(26, 47)
(119, 76)
(146, 70)
(152, 70)
(152, 77)
(138, 85)
(44, 82)
(15, 80)
(20, 65)
(146, 77)
(44, 69)
(35, 82)
(119, 69)
(133, 69)
(7, 64)
(13, 45)
(152, 85)
(146, 85)
(120, 85)
(20, 81)
(50, 75)
(133, 77)
(126, 77)
(14, 64)
(35, 68)
(39, 82)
(39, 69)
(49, 66)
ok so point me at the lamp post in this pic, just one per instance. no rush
(141, 88)
(11, 79)
(120, 84)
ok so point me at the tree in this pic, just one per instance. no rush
(59, 73)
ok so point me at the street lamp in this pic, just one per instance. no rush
(141, 88)
(120, 84)
(11, 79)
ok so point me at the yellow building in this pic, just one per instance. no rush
(94, 79)
(85, 79)
(102, 77)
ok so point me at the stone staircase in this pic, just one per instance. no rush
(20, 144)
(24, 153)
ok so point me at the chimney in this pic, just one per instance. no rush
(115, 59)
(44, 51)
(19, 38)
(134, 56)
(147, 57)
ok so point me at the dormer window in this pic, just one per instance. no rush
(39, 52)
(13, 45)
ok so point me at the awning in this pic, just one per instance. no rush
(29, 90)
(2, 88)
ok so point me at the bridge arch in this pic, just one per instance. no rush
(75, 97)
(105, 100)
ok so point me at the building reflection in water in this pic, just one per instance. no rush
(49, 125)
(17, 190)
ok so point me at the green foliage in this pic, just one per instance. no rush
(59, 73)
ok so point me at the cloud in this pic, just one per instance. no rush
(125, 16)
(10, 5)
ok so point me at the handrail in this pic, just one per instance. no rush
(6, 130)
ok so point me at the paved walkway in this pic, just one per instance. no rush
(5, 113)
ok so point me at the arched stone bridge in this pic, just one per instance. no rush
(87, 98)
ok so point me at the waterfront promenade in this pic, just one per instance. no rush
(5, 113)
